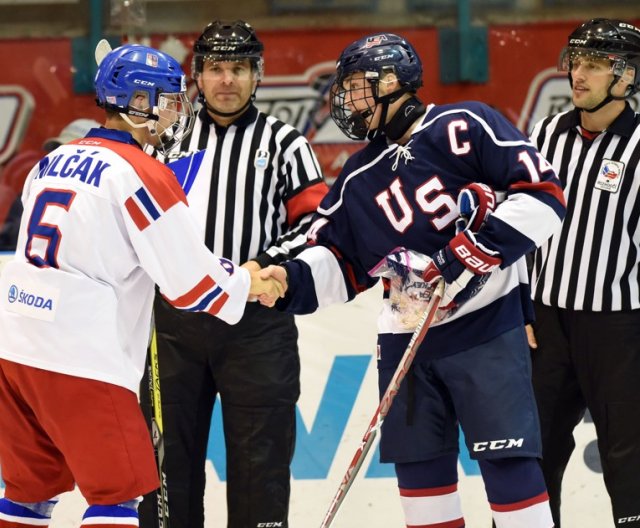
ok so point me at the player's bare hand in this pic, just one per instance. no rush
(267, 290)
(531, 337)
(251, 266)
(277, 274)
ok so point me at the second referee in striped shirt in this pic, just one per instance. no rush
(586, 279)
(253, 186)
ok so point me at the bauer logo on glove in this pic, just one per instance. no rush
(464, 264)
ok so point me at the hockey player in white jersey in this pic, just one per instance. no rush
(473, 367)
(102, 223)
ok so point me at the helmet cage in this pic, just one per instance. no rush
(342, 98)
(175, 119)
(376, 55)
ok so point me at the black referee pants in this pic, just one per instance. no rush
(590, 360)
(254, 367)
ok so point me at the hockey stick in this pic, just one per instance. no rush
(385, 404)
(102, 50)
(157, 432)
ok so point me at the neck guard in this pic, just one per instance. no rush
(404, 117)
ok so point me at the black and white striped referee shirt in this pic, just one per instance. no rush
(593, 263)
(257, 187)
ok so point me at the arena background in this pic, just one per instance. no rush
(47, 88)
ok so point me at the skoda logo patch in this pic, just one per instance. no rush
(13, 293)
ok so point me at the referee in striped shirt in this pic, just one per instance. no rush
(586, 278)
(253, 186)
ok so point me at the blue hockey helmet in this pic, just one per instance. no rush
(132, 70)
(375, 56)
(381, 53)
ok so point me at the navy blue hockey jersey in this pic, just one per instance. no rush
(389, 195)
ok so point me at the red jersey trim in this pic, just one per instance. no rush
(190, 298)
(514, 506)
(305, 202)
(136, 214)
(428, 492)
(547, 187)
(157, 178)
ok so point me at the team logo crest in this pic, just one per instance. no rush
(610, 176)
(374, 41)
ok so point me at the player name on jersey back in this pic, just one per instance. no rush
(83, 165)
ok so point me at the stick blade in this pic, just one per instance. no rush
(102, 50)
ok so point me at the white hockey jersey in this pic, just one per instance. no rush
(102, 223)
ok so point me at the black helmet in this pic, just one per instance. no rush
(228, 41)
(613, 40)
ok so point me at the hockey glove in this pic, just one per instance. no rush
(465, 265)
(476, 202)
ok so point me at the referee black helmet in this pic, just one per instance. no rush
(228, 41)
(614, 40)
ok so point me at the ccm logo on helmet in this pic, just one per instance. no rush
(495, 445)
(633, 518)
(143, 82)
(223, 47)
(269, 525)
(577, 41)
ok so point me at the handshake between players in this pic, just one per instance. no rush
(464, 264)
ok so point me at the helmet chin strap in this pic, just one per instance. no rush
(152, 126)
(608, 98)
(385, 101)
(150, 123)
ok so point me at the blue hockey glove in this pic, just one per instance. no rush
(476, 202)
(465, 265)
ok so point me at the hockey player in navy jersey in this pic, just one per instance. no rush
(401, 190)
(102, 223)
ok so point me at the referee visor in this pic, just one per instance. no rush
(604, 62)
